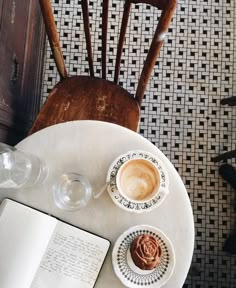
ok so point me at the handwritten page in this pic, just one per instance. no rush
(73, 259)
(24, 236)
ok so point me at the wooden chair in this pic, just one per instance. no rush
(92, 98)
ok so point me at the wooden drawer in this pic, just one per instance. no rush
(22, 41)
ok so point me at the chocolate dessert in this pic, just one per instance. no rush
(145, 252)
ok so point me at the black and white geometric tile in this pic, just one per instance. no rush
(181, 112)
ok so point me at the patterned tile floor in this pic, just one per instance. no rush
(181, 113)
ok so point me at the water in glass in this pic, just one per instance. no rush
(18, 169)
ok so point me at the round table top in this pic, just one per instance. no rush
(89, 147)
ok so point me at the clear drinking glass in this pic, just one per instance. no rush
(72, 191)
(20, 169)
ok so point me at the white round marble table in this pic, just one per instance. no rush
(89, 147)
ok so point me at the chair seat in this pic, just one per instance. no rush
(88, 98)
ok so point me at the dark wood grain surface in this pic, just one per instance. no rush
(22, 41)
(85, 97)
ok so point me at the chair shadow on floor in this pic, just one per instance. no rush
(228, 173)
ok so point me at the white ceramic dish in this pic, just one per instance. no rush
(129, 274)
(125, 203)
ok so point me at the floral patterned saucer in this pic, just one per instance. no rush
(126, 204)
(129, 274)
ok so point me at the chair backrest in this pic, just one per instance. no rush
(168, 9)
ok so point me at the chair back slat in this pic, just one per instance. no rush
(86, 22)
(105, 8)
(121, 41)
(167, 6)
(53, 38)
(157, 41)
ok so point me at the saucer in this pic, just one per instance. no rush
(119, 199)
(129, 274)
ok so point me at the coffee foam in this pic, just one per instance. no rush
(138, 179)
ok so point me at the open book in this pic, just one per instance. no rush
(39, 251)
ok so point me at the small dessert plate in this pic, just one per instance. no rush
(129, 274)
(123, 202)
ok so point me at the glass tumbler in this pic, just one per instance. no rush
(20, 169)
(72, 191)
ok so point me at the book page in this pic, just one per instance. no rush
(73, 259)
(24, 235)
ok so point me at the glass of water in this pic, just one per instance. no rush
(72, 191)
(20, 169)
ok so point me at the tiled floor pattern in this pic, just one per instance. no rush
(181, 113)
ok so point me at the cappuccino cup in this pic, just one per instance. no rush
(138, 180)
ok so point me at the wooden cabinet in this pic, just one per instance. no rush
(22, 42)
